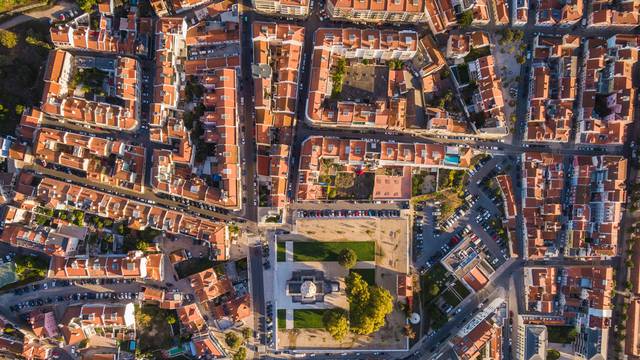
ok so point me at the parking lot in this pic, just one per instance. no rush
(327, 213)
(481, 212)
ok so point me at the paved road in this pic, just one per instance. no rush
(37, 14)
(257, 287)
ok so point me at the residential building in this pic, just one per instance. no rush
(60, 102)
(543, 177)
(532, 342)
(377, 11)
(116, 321)
(552, 89)
(359, 156)
(608, 108)
(284, 7)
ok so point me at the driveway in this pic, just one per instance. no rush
(37, 14)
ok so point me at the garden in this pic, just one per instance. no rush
(156, 328)
(329, 250)
(308, 318)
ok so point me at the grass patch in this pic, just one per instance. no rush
(329, 250)
(282, 318)
(308, 318)
(461, 289)
(281, 251)
(192, 266)
(368, 275)
(561, 334)
(27, 269)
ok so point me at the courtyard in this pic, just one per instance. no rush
(381, 246)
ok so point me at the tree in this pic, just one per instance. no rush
(171, 319)
(247, 333)
(518, 35)
(368, 305)
(19, 109)
(466, 19)
(8, 39)
(433, 289)
(336, 323)
(520, 59)
(553, 354)
(572, 334)
(241, 354)
(86, 5)
(347, 258)
(233, 340)
(408, 332)
(507, 35)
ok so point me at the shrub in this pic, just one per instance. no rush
(8, 39)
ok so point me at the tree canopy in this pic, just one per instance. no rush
(466, 18)
(368, 305)
(8, 39)
(347, 258)
(336, 323)
(233, 340)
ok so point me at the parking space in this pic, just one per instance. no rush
(327, 213)
(52, 292)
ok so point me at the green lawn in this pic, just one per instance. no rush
(308, 319)
(329, 250)
(561, 334)
(282, 318)
(281, 251)
(368, 275)
(461, 289)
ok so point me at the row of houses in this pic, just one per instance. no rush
(359, 156)
(277, 61)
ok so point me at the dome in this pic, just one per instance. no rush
(415, 318)
(308, 289)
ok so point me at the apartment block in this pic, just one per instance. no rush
(359, 156)
(608, 107)
(277, 59)
(59, 98)
(378, 11)
(552, 89)
(597, 194)
(620, 14)
(543, 177)
(442, 16)
(284, 7)
(573, 296)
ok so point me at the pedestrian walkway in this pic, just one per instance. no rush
(289, 321)
(288, 248)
